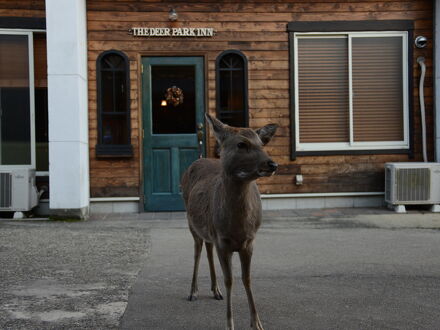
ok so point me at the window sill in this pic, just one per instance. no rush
(352, 152)
(114, 150)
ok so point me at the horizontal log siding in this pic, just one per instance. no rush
(258, 29)
(22, 8)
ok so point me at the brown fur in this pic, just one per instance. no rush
(224, 207)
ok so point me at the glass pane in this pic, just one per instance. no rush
(114, 129)
(112, 61)
(176, 115)
(41, 129)
(237, 91)
(15, 135)
(323, 90)
(41, 115)
(120, 92)
(107, 96)
(225, 89)
(231, 90)
(40, 60)
(377, 89)
(232, 118)
(231, 61)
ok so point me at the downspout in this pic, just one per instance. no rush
(421, 61)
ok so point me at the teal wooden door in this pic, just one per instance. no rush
(173, 117)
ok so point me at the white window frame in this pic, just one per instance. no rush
(30, 34)
(351, 144)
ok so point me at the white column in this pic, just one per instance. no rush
(437, 80)
(66, 24)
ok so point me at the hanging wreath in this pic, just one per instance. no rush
(174, 95)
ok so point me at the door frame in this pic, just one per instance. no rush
(145, 117)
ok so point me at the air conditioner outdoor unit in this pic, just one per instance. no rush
(412, 183)
(17, 190)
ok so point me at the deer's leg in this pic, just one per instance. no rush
(214, 287)
(198, 245)
(225, 258)
(245, 258)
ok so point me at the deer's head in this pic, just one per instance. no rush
(241, 150)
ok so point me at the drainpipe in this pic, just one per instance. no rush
(437, 79)
(421, 61)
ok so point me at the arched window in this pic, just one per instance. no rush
(232, 88)
(113, 101)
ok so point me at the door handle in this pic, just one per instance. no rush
(200, 139)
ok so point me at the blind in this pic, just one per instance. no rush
(377, 89)
(323, 90)
(14, 61)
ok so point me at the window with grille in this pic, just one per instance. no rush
(113, 101)
(351, 91)
(231, 91)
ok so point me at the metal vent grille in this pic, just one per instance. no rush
(388, 174)
(413, 184)
(5, 190)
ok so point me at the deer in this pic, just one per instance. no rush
(223, 206)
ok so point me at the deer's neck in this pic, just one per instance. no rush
(238, 194)
(240, 209)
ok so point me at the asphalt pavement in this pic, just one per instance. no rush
(312, 269)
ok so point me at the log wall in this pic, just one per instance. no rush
(258, 29)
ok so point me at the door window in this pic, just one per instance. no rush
(173, 99)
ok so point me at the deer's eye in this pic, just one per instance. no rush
(242, 145)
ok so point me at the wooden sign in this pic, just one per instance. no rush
(171, 32)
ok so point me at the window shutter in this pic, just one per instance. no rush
(377, 89)
(323, 89)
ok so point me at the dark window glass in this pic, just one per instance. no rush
(114, 129)
(232, 106)
(113, 88)
(113, 61)
(120, 92)
(41, 113)
(15, 128)
(107, 91)
(41, 129)
(173, 116)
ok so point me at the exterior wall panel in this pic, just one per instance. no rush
(259, 30)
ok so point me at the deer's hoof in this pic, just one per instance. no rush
(217, 294)
(192, 297)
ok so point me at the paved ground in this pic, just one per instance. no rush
(312, 269)
(68, 275)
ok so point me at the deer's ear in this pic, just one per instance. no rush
(267, 132)
(220, 131)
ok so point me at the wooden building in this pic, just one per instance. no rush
(339, 77)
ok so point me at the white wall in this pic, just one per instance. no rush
(68, 115)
